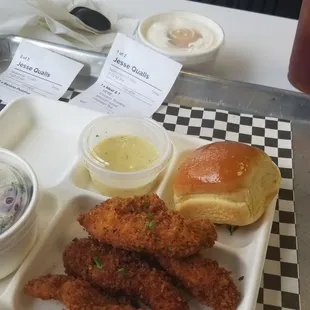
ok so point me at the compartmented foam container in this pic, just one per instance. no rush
(47, 136)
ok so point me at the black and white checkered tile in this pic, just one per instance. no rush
(69, 94)
(280, 280)
(280, 284)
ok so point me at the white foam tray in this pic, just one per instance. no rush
(45, 133)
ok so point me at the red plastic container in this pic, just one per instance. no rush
(299, 68)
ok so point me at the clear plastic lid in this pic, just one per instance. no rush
(115, 125)
(16, 190)
(181, 34)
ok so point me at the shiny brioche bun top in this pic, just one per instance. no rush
(218, 167)
(226, 182)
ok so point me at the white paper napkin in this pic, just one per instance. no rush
(51, 21)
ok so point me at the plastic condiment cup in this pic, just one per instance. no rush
(17, 240)
(113, 183)
(199, 60)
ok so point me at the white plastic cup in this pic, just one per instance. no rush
(17, 240)
(200, 61)
(112, 183)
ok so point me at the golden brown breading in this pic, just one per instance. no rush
(203, 277)
(74, 293)
(144, 224)
(47, 286)
(204, 229)
(123, 271)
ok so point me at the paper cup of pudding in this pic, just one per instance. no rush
(188, 38)
(124, 154)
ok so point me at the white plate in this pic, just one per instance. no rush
(45, 133)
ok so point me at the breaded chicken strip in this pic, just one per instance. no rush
(122, 271)
(144, 224)
(203, 277)
(74, 293)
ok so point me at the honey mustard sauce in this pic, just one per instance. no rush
(126, 153)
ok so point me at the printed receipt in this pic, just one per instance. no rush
(134, 80)
(37, 71)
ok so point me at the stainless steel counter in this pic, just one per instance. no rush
(206, 91)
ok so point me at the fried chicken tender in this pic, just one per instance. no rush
(74, 293)
(144, 224)
(121, 271)
(205, 280)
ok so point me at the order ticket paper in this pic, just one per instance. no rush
(134, 80)
(37, 71)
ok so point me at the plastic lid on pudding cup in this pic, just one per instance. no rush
(180, 34)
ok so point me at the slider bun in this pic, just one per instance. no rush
(226, 182)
